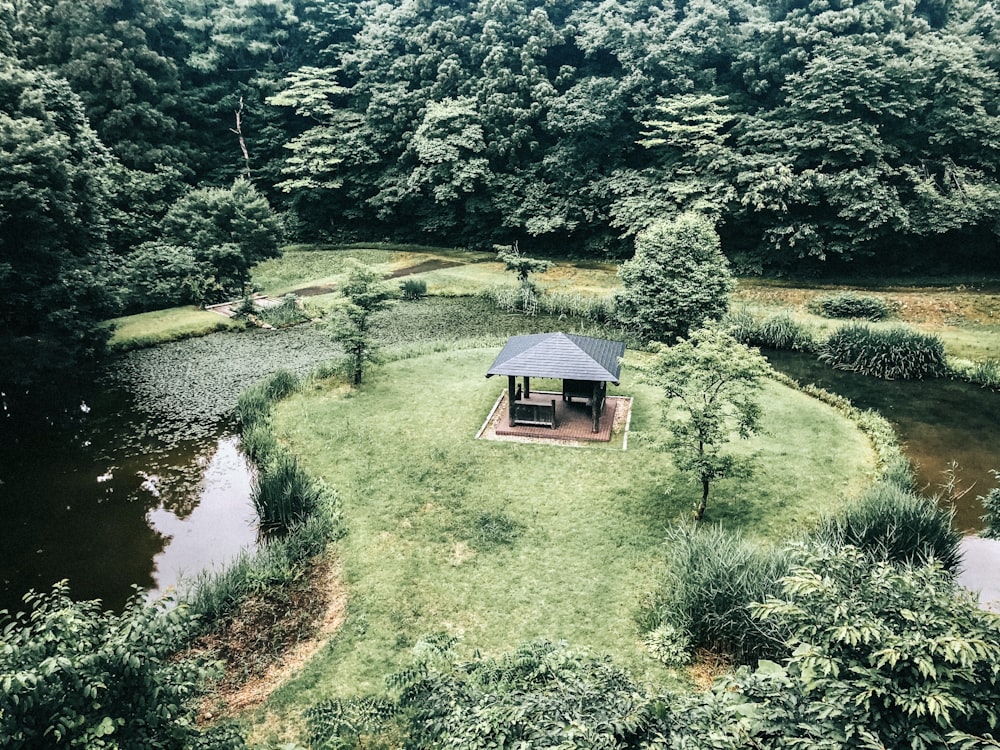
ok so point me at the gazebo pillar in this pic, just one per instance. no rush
(527, 387)
(596, 405)
(511, 380)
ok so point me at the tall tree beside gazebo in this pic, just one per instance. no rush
(365, 294)
(677, 281)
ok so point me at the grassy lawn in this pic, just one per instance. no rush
(967, 319)
(159, 326)
(505, 542)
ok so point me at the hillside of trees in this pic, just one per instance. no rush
(822, 135)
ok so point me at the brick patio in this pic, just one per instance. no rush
(573, 420)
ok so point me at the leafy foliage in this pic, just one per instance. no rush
(542, 695)
(157, 275)
(677, 281)
(229, 230)
(892, 353)
(54, 192)
(882, 655)
(711, 381)
(521, 265)
(74, 676)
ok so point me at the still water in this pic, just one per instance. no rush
(134, 476)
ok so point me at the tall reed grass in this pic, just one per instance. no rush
(892, 523)
(284, 494)
(254, 404)
(532, 300)
(274, 562)
(779, 331)
(712, 578)
(890, 353)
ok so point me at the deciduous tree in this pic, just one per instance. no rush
(712, 384)
(677, 280)
(230, 229)
(54, 192)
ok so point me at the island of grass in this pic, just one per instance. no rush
(501, 543)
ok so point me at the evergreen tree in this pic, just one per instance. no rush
(677, 280)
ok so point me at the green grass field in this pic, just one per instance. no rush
(966, 319)
(422, 497)
(160, 326)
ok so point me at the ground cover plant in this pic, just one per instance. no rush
(501, 543)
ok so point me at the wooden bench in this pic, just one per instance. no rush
(534, 413)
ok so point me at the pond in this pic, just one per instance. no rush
(137, 479)
(938, 422)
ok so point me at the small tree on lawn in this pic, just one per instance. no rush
(365, 294)
(712, 382)
(523, 267)
(677, 281)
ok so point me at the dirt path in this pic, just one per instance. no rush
(327, 596)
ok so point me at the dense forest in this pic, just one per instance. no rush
(145, 141)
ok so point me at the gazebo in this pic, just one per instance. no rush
(584, 364)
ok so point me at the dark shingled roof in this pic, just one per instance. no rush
(560, 355)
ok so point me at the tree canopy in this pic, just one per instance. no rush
(813, 135)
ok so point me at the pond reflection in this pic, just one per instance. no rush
(938, 421)
(209, 533)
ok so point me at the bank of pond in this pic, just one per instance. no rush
(140, 481)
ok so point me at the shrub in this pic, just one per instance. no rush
(712, 577)
(413, 289)
(991, 516)
(894, 524)
(779, 331)
(882, 656)
(890, 353)
(76, 676)
(543, 695)
(288, 312)
(284, 494)
(852, 305)
(157, 275)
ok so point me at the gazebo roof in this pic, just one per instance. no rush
(560, 355)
